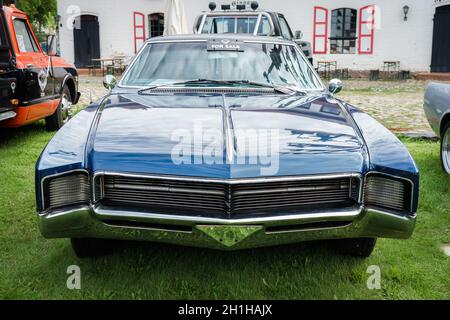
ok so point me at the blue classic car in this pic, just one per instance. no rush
(437, 109)
(224, 142)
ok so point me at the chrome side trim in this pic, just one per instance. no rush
(7, 115)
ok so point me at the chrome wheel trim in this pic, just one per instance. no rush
(66, 107)
(446, 150)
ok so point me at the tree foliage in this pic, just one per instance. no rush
(41, 13)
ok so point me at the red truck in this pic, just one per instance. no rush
(34, 84)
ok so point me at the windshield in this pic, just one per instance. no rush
(268, 63)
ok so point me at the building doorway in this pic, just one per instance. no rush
(86, 37)
(441, 41)
(155, 24)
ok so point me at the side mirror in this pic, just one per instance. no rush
(109, 82)
(51, 45)
(335, 86)
(298, 35)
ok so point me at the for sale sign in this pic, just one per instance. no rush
(225, 45)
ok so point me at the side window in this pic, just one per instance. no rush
(2, 33)
(285, 29)
(24, 37)
(264, 27)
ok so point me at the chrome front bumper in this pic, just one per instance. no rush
(225, 234)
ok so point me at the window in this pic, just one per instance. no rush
(219, 25)
(343, 31)
(264, 27)
(320, 45)
(156, 24)
(3, 41)
(242, 24)
(285, 29)
(139, 30)
(366, 29)
(245, 25)
(24, 37)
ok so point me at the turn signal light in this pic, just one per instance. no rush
(386, 192)
(64, 191)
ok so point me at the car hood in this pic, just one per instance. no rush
(225, 136)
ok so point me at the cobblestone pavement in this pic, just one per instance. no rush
(396, 104)
(91, 89)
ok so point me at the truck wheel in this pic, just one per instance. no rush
(91, 248)
(61, 115)
(360, 248)
(445, 148)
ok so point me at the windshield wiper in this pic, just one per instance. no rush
(179, 83)
(280, 89)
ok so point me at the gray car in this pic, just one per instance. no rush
(437, 109)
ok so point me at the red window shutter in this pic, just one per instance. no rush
(366, 29)
(320, 30)
(139, 30)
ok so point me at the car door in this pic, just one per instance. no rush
(38, 84)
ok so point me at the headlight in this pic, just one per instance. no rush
(68, 190)
(388, 192)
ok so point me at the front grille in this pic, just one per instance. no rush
(219, 199)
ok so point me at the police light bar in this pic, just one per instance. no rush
(226, 7)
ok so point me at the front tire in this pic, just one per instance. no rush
(360, 248)
(91, 248)
(445, 148)
(57, 120)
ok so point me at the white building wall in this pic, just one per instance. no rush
(116, 23)
(395, 39)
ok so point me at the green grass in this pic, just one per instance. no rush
(34, 268)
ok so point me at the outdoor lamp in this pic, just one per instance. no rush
(405, 11)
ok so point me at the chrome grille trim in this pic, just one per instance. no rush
(227, 197)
